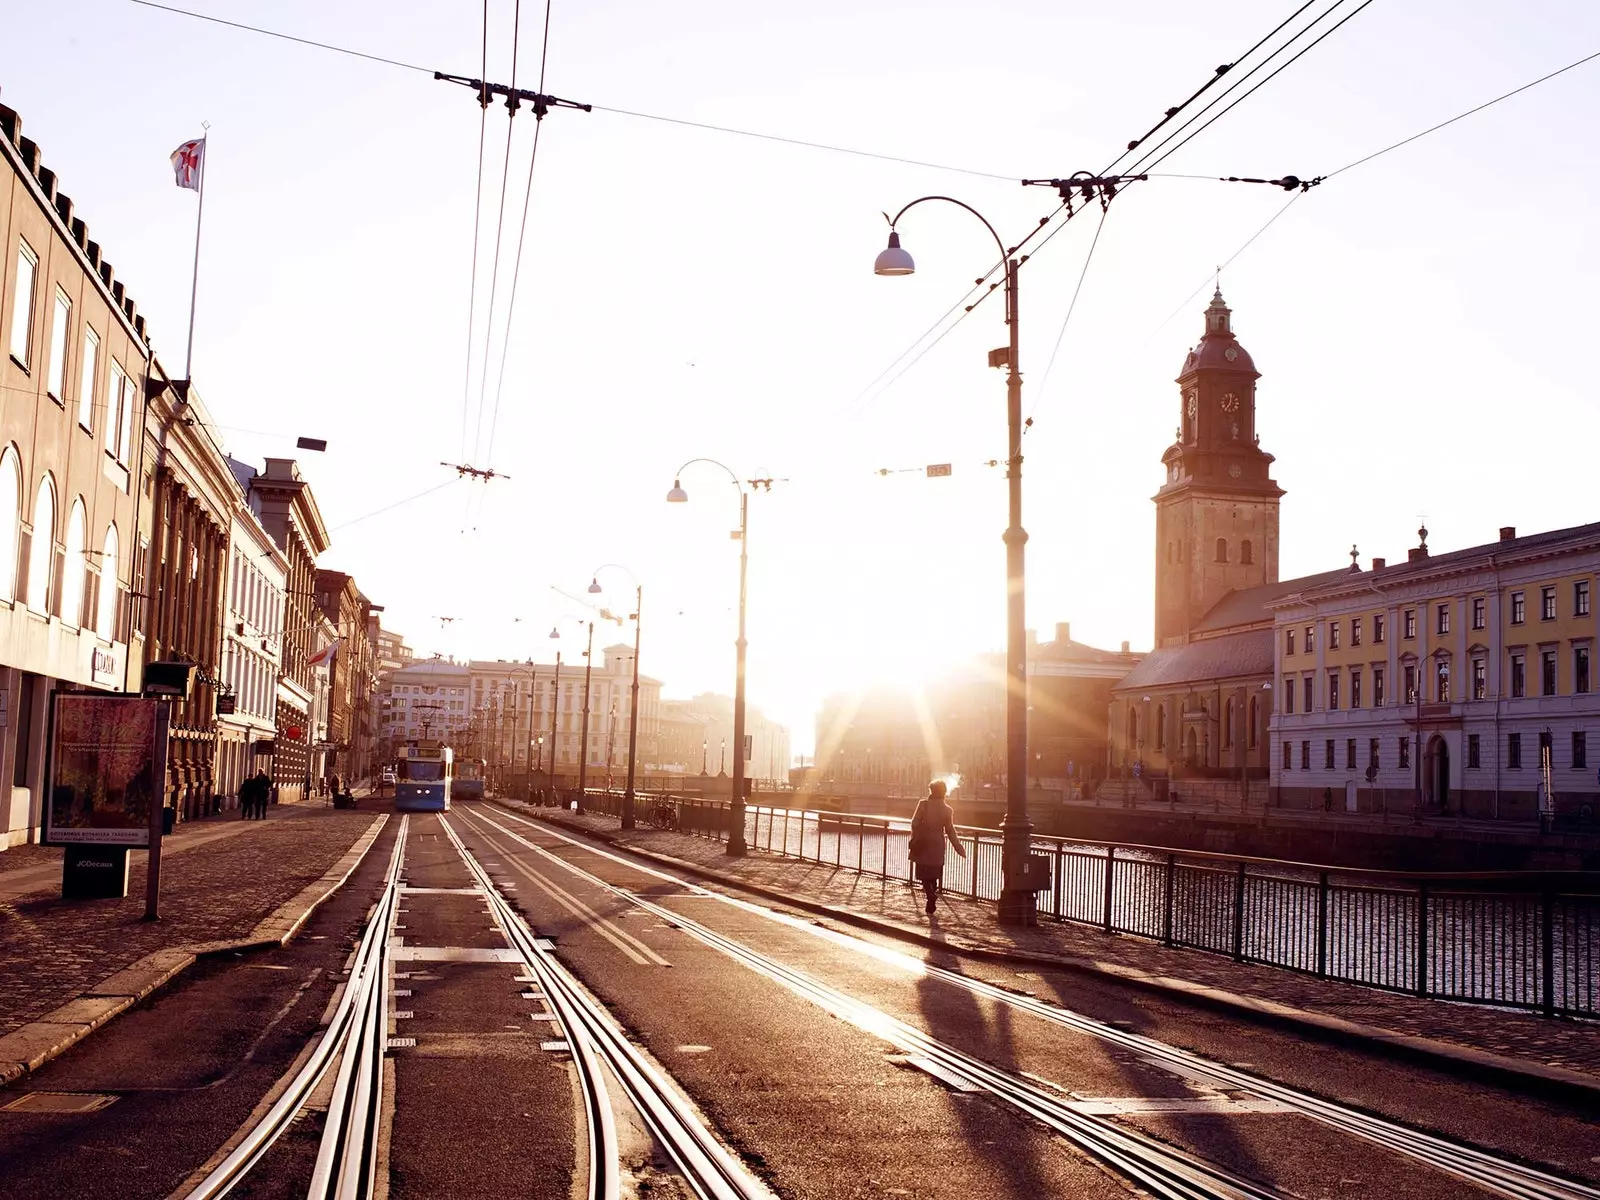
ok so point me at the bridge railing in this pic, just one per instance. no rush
(1520, 939)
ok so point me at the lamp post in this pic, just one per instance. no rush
(736, 842)
(633, 700)
(1018, 904)
(555, 709)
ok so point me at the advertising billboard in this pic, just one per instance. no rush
(107, 768)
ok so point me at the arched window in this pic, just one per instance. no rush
(105, 621)
(74, 571)
(10, 522)
(1246, 552)
(1161, 727)
(1222, 549)
(1227, 723)
(1133, 727)
(41, 549)
(1252, 730)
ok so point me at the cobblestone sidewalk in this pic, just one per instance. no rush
(51, 950)
(1570, 1044)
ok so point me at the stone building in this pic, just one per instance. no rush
(426, 701)
(74, 375)
(352, 676)
(252, 642)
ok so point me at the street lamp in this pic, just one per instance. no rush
(583, 737)
(633, 700)
(736, 842)
(555, 716)
(1018, 904)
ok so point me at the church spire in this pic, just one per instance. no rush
(1218, 314)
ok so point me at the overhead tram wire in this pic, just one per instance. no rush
(1072, 305)
(378, 512)
(522, 237)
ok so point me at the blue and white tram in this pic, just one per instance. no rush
(424, 780)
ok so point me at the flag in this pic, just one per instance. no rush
(325, 656)
(187, 163)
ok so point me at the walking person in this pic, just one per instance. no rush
(932, 825)
(263, 792)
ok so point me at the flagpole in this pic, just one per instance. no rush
(194, 287)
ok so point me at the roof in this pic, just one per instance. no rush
(1218, 350)
(1231, 656)
(1249, 605)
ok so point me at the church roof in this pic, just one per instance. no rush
(1218, 350)
(1227, 657)
(1248, 606)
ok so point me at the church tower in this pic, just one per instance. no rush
(1217, 512)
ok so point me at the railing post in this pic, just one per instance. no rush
(1422, 939)
(861, 843)
(1111, 862)
(1322, 925)
(1055, 889)
(1238, 915)
(976, 841)
(1548, 949)
(1167, 902)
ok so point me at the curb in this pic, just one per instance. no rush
(1514, 1074)
(25, 1050)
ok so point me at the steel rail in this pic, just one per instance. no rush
(252, 1148)
(709, 1169)
(1147, 1162)
(1482, 1168)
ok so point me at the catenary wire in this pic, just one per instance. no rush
(522, 237)
(1044, 380)
(377, 512)
(287, 37)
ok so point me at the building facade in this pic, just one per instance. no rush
(352, 679)
(252, 642)
(74, 377)
(769, 761)
(1458, 684)
(427, 701)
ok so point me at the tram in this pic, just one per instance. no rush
(425, 778)
(469, 779)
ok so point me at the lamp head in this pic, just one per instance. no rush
(677, 495)
(594, 586)
(892, 260)
(555, 633)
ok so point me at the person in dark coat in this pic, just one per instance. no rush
(932, 825)
(263, 792)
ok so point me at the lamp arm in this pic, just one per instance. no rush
(717, 463)
(1004, 253)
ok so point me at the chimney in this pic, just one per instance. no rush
(1416, 553)
(1508, 533)
(1063, 632)
(1379, 564)
(1125, 647)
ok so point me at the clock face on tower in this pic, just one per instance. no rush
(1194, 404)
(1230, 403)
(1231, 353)
(1236, 470)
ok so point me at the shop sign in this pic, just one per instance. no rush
(107, 768)
(103, 666)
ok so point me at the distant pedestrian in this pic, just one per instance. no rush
(932, 824)
(247, 798)
(263, 792)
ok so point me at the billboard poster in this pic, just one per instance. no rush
(107, 768)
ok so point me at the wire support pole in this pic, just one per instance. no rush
(736, 842)
(583, 748)
(633, 710)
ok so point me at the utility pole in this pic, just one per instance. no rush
(583, 748)
(633, 710)
(555, 709)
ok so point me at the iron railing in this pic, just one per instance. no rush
(1518, 939)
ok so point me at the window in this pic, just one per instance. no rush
(1305, 755)
(1372, 756)
(1350, 754)
(1514, 750)
(1519, 676)
(1333, 690)
(1355, 631)
(105, 623)
(22, 304)
(91, 354)
(1473, 751)
(1411, 683)
(1227, 723)
(60, 324)
(1480, 679)
(1580, 598)
(1161, 727)
(1288, 756)
(1377, 687)
(1580, 669)
(1410, 617)
(10, 523)
(1405, 752)
(114, 401)
(1254, 717)
(1247, 553)
(1311, 639)
(1547, 604)
(1327, 755)
(1307, 692)
(1333, 635)
(1547, 672)
(1288, 696)
(42, 546)
(1377, 629)
(1355, 687)
(1441, 616)
(1441, 681)
(1222, 549)
(1288, 641)
(1580, 749)
(74, 572)
(1479, 612)
(1519, 608)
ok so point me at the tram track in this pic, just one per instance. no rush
(1490, 1172)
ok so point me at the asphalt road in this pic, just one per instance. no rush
(484, 1105)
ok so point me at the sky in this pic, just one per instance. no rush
(1421, 321)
